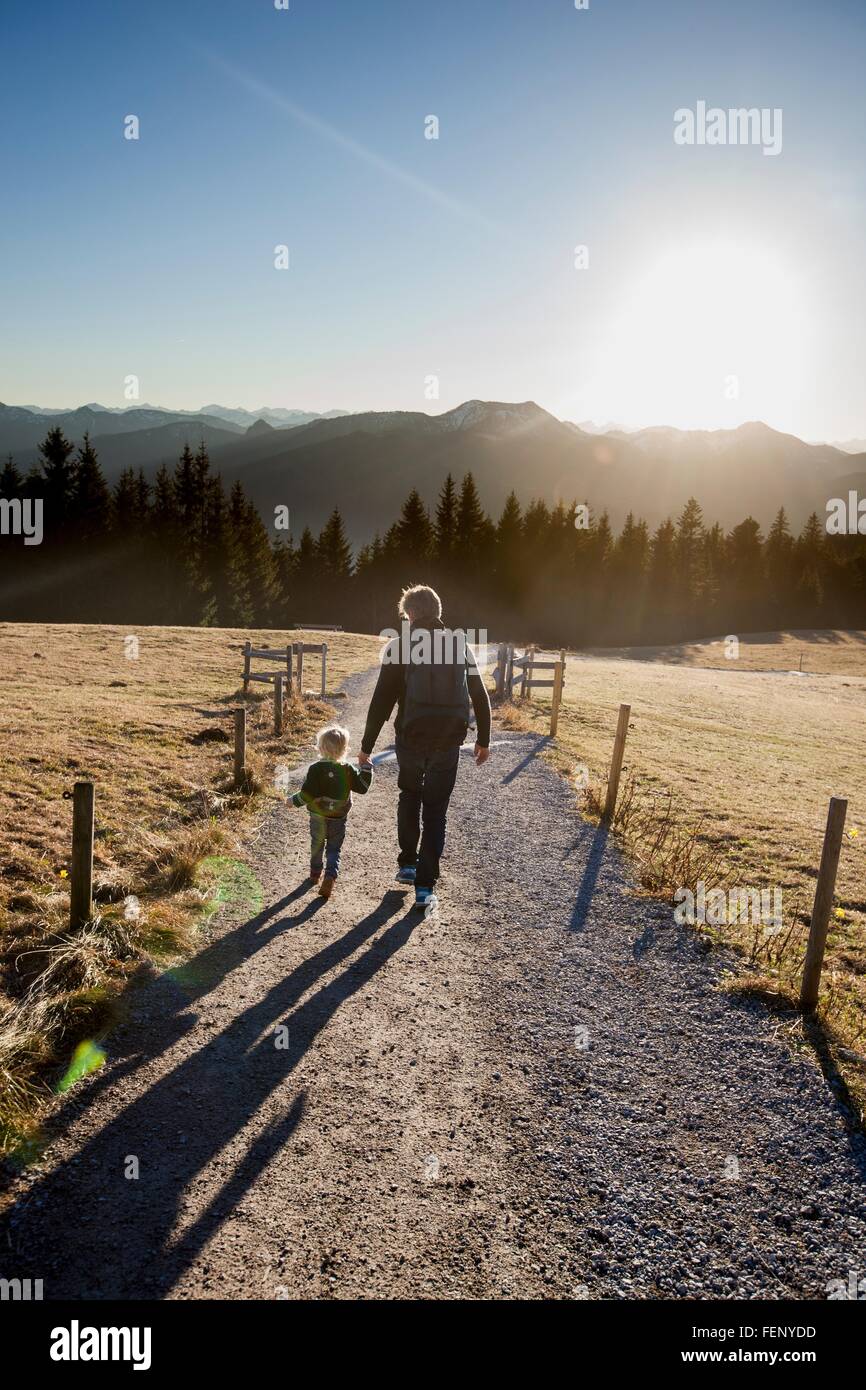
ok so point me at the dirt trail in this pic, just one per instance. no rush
(536, 1092)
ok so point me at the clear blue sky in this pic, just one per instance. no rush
(453, 258)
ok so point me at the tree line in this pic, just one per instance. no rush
(181, 549)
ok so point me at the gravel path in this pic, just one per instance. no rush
(536, 1092)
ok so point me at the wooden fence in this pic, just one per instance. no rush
(511, 669)
(291, 658)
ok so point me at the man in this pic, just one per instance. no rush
(431, 675)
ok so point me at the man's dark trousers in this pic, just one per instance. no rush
(426, 780)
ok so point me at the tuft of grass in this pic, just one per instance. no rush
(669, 851)
(175, 868)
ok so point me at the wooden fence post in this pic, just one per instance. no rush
(81, 871)
(499, 678)
(558, 678)
(823, 903)
(509, 672)
(290, 677)
(247, 647)
(299, 647)
(324, 668)
(240, 746)
(527, 673)
(616, 763)
(278, 704)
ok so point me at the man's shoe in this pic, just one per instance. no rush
(406, 874)
(425, 899)
(327, 887)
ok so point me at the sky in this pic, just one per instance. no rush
(719, 284)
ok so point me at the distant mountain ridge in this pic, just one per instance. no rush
(850, 446)
(22, 426)
(367, 462)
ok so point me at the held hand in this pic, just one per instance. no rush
(364, 759)
(481, 755)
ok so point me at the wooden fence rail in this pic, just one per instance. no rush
(511, 668)
(291, 658)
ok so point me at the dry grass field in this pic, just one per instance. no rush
(815, 651)
(154, 733)
(728, 770)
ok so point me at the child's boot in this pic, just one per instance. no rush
(327, 886)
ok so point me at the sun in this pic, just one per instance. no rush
(707, 335)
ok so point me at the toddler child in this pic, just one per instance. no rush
(327, 794)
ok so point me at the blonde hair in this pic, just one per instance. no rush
(332, 742)
(420, 602)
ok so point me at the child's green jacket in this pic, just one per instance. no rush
(328, 786)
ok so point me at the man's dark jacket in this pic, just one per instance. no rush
(391, 690)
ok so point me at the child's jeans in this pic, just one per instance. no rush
(327, 834)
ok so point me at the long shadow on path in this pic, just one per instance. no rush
(597, 836)
(91, 1232)
(165, 999)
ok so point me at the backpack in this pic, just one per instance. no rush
(436, 703)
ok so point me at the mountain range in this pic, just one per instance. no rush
(367, 463)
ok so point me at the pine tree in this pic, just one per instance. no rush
(167, 568)
(90, 501)
(627, 578)
(12, 488)
(142, 493)
(536, 525)
(333, 550)
(446, 524)
(661, 584)
(307, 580)
(308, 554)
(413, 534)
(690, 562)
(226, 598)
(509, 551)
(779, 554)
(124, 505)
(187, 503)
(203, 493)
(11, 481)
(714, 573)
(600, 543)
(285, 564)
(256, 557)
(470, 528)
(810, 551)
(746, 574)
(57, 476)
(163, 514)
